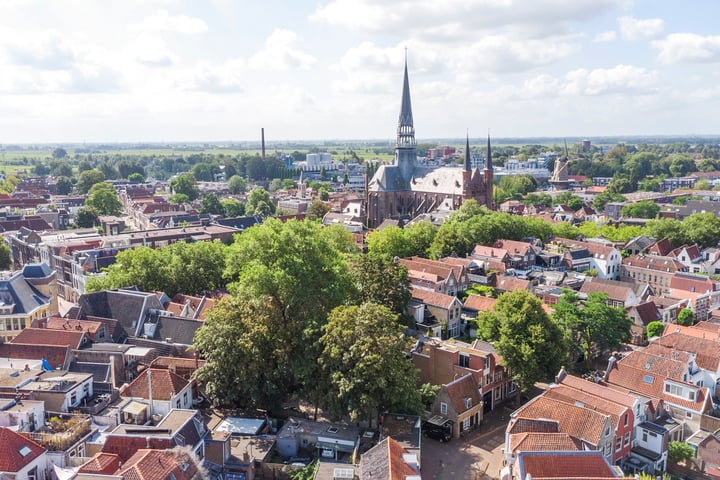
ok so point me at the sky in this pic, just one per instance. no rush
(220, 70)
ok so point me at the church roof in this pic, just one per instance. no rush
(406, 117)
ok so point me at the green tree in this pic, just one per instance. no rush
(84, 165)
(340, 238)
(63, 186)
(531, 344)
(655, 329)
(178, 199)
(232, 207)
(211, 205)
(237, 184)
(604, 198)
(702, 228)
(681, 165)
(317, 210)
(87, 179)
(383, 281)
(362, 357)
(419, 236)
(255, 168)
(291, 268)
(388, 242)
(275, 185)
(5, 257)
(259, 203)
(136, 177)
(669, 228)
(189, 268)
(591, 325)
(103, 198)
(679, 452)
(686, 317)
(59, 153)
(566, 230)
(642, 209)
(185, 184)
(86, 217)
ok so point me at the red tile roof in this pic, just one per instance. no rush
(672, 363)
(433, 298)
(55, 355)
(462, 388)
(543, 442)
(165, 385)
(616, 291)
(661, 247)
(706, 349)
(654, 262)
(60, 323)
(17, 451)
(102, 463)
(587, 400)
(480, 303)
(577, 421)
(598, 390)
(565, 465)
(399, 469)
(45, 336)
(509, 284)
(157, 464)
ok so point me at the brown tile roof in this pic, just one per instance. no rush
(513, 246)
(647, 312)
(576, 421)
(433, 298)
(44, 336)
(102, 463)
(509, 284)
(616, 291)
(654, 262)
(57, 356)
(462, 388)
(399, 469)
(175, 362)
(661, 247)
(17, 451)
(565, 465)
(595, 249)
(708, 327)
(534, 425)
(480, 303)
(543, 442)
(587, 400)
(692, 283)
(672, 364)
(651, 383)
(693, 252)
(443, 271)
(707, 351)
(60, 323)
(156, 464)
(489, 252)
(598, 390)
(165, 385)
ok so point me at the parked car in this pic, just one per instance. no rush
(439, 432)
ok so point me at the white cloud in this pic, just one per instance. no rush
(151, 51)
(502, 53)
(621, 79)
(224, 78)
(279, 53)
(603, 37)
(688, 48)
(638, 29)
(47, 50)
(163, 21)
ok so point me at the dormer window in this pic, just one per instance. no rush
(468, 402)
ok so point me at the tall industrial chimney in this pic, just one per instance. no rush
(262, 135)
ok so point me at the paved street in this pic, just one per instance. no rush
(475, 456)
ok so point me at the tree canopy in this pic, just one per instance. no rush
(363, 359)
(185, 184)
(531, 343)
(103, 198)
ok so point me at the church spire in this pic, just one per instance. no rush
(488, 161)
(406, 129)
(468, 166)
(405, 150)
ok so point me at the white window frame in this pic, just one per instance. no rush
(443, 408)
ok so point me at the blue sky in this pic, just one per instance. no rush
(219, 70)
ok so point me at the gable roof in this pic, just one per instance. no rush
(57, 356)
(481, 251)
(586, 400)
(647, 312)
(148, 464)
(673, 366)
(615, 290)
(386, 461)
(654, 262)
(509, 284)
(542, 442)
(17, 451)
(579, 422)
(566, 465)
(102, 463)
(707, 352)
(60, 323)
(480, 303)
(126, 306)
(74, 339)
(433, 298)
(462, 388)
(165, 385)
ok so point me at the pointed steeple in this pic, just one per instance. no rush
(488, 161)
(468, 166)
(406, 117)
(405, 149)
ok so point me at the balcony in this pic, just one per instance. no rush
(62, 434)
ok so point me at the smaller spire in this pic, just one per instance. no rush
(468, 166)
(488, 161)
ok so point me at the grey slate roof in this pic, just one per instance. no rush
(16, 290)
(126, 306)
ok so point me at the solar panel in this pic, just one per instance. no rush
(343, 473)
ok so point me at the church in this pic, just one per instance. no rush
(405, 189)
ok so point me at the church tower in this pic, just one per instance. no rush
(467, 171)
(406, 149)
(488, 173)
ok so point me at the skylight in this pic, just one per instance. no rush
(25, 451)
(648, 379)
